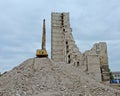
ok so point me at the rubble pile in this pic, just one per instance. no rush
(43, 77)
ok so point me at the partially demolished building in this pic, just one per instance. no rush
(64, 49)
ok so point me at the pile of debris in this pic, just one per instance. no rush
(42, 77)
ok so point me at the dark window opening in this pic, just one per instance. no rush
(102, 78)
(67, 47)
(63, 29)
(67, 51)
(101, 70)
(62, 23)
(62, 16)
(68, 56)
(77, 63)
(66, 42)
(69, 61)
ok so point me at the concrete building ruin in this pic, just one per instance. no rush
(64, 49)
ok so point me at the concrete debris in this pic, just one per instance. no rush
(43, 77)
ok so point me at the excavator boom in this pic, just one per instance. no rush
(44, 36)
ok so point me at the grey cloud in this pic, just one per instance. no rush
(99, 19)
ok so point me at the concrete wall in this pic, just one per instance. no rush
(57, 38)
(63, 45)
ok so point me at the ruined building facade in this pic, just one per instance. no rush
(63, 49)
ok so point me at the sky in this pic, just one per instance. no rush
(92, 21)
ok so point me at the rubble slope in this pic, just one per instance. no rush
(42, 77)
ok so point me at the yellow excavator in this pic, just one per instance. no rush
(42, 52)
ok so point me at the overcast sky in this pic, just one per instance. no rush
(92, 21)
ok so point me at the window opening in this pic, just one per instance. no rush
(77, 63)
(63, 29)
(67, 47)
(66, 42)
(67, 51)
(68, 56)
(69, 61)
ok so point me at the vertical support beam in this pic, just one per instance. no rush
(44, 36)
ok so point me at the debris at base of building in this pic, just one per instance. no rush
(43, 77)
